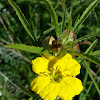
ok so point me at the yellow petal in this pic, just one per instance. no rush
(45, 88)
(66, 64)
(40, 65)
(75, 67)
(69, 87)
(36, 83)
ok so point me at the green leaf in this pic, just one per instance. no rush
(63, 20)
(96, 53)
(49, 30)
(69, 28)
(91, 58)
(57, 5)
(31, 98)
(85, 14)
(91, 47)
(94, 89)
(93, 80)
(22, 18)
(25, 90)
(54, 16)
(18, 87)
(85, 37)
(27, 48)
(91, 85)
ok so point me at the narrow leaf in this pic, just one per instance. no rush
(54, 16)
(27, 48)
(88, 57)
(85, 37)
(16, 85)
(49, 30)
(69, 28)
(63, 20)
(22, 18)
(85, 14)
(25, 90)
(91, 47)
(96, 53)
(93, 80)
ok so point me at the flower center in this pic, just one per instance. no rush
(56, 75)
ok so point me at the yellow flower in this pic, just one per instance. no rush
(56, 77)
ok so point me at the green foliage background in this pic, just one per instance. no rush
(15, 65)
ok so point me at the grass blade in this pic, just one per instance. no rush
(27, 48)
(85, 14)
(22, 18)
